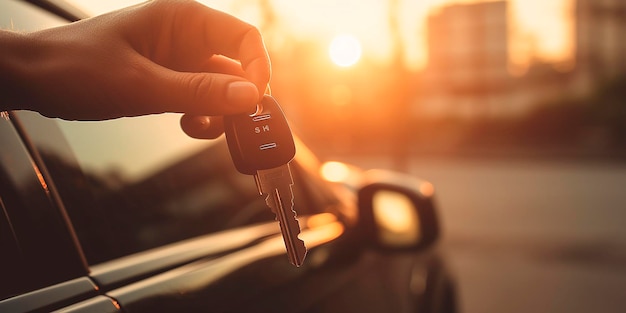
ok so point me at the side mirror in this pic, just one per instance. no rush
(397, 211)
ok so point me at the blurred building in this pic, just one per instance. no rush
(467, 74)
(600, 44)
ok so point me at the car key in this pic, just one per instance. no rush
(262, 145)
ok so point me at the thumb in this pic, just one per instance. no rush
(212, 94)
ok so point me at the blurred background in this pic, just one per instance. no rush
(515, 110)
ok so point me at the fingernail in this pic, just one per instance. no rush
(242, 94)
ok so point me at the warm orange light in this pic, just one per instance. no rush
(340, 95)
(397, 218)
(321, 234)
(394, 211)
(427, 189)
(40, 177)
(538, 28)
(335, 171)
(318, 220)
(345, 50)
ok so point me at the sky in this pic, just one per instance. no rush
(539, 29)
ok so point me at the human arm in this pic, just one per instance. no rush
(159, 56)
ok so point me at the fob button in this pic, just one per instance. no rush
(263, 117)
(266, 146)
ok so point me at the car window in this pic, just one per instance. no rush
(9, 265)
(23, 16)
(37, 248)
(132, 184)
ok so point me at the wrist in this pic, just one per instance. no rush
(14, 51)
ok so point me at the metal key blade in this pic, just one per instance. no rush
(276, 184)
(289, 226)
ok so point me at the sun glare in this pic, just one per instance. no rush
(335, 171)
(345, 50)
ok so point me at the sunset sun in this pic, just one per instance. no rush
(345, 50)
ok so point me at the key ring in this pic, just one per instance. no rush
(259, 106)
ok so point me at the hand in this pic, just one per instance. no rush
(155, 57)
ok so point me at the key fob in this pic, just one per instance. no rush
(262, 141)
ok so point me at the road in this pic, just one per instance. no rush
(531, 236)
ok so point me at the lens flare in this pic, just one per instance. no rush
(345, 50)
(335, 171)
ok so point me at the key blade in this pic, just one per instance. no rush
(289, 225)
(276, 184)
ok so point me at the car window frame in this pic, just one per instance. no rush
(50, 267)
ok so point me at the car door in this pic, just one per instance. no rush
(181, 231)
(188, 233)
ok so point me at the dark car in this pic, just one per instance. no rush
(131, 215)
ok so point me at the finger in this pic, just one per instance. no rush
(226, 35)
(202, 127)
(223, 65)
(205, 127)
(256, 66)
(200, 93)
